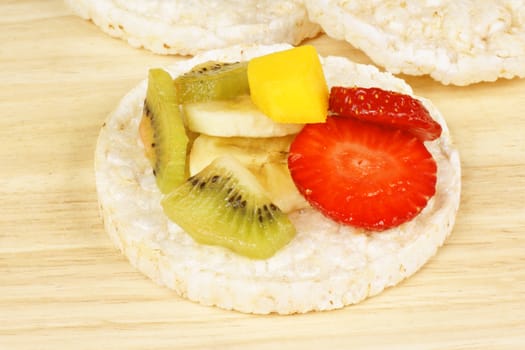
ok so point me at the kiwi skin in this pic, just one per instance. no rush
(212, 80)
(225, 205)
(147, 136)
(170, 141)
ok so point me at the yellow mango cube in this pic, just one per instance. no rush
(289, 86)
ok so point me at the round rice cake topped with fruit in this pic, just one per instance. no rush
(455, 42)
(202, 218)
(190, 27)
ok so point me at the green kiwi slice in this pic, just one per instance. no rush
(212, 81)
(225, 205)
(170, 141)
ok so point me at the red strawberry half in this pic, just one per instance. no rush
(384, 107)
(362, 174)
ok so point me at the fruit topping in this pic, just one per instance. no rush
(164, 122)
(384, 107)
(362, 174)
(289, 86)
(225, 205)
(234, 117)
(266, 139)
(212, 81)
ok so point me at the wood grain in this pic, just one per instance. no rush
(64, 286)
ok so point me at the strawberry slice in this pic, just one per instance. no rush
(384, 107)
(361, 173)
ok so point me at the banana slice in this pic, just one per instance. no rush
(276, 179)
(251, 152)
(234, 117)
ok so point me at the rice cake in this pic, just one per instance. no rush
(190, 27)
(455, 42)
(326, 266)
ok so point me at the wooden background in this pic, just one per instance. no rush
(64, 286)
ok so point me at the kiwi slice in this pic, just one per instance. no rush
(212, 80)
(170, 141)
(225, 205)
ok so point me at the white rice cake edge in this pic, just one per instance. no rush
(326, 266)
(455, 42)
(188, 28)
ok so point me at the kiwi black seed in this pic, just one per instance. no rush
(170, 141)
(224, 205)
(212, 81)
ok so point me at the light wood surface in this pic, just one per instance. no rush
(64, 286)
